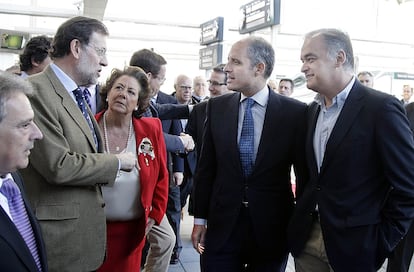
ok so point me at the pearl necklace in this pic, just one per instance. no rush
(106, 135)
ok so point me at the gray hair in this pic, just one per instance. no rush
(336, 40)
(11, 85)
(259, 50)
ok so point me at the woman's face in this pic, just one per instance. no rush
(123, 96)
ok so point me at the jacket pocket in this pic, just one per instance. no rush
(57, 211)
(362, 220)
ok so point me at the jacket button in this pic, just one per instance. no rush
(103, 205)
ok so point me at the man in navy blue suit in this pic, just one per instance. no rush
(18, 133)
(241, 218)
(358, 202)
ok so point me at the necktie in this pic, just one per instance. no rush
(19, 214)
(246, 141)
(87, 96)
(80, 100)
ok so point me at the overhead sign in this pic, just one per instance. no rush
(212, 31)
(259, 14)
(400, 75)
(210, 56)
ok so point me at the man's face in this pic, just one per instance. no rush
(241, 76)
(92, 59)
(183, 88)
(17, 134)
(407, 92)
(318, 68)
(200, 86)
(156, 81)
(217, 85)
(285, 88)
(366, 80)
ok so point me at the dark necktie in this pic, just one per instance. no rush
(81, 104)
(20, 219)
(87, 96)
(246, 141)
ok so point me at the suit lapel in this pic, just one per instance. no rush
(271, 118)
(313, 114)
(346, 118)
(72, 108)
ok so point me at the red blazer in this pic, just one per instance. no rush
(153, 172)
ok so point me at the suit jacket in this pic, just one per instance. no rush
(364, 190)
(195, 125)
(172, 128)
(14, 254)
(219, 182)
(64, 176)
(153, 174)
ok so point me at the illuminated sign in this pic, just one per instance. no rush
(12, 40)
(210, 56)
(212, 31)
(259, 14)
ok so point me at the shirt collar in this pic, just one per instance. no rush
(261, 97)
(340, 98)
(66, 81)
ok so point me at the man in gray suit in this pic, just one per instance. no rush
(67, 167)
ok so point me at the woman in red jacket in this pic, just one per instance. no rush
(138, 199)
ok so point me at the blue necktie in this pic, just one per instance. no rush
(87, 96)
(81, 104)
(246, 141)
(20, 219)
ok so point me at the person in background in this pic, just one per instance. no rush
(217, 86)
(35, 56)
(366, 78)
(242, 193)
(286, 87)
(138, 198)
(68, 167)
(358, 202)
(406, 95)
(178, 195)
(161, 238)
(21, 243)
(199, 90)
(272, 84)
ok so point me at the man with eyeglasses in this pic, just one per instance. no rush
(68, 166)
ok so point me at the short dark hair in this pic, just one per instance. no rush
(260, 50)
(288, 80)
(365, 73)
(148, 60)
(220, 69)
(37, 49)
(10, 84)
(80, 28)
(144, 95)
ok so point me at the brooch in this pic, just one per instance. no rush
(146, 148)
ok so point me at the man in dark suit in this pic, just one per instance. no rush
(400, 258)
(68, 166)
(242, 206)
(18, 132)
(359, 201)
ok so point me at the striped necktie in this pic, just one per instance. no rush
(20, 219)
(80, 99)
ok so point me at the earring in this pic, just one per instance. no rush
(106, 99)
(136, 108)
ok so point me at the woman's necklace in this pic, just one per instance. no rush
(117, 148)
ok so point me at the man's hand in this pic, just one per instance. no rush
(187, 141)
(150, 223)
(127, 160)
(198, 237)
(178, 178)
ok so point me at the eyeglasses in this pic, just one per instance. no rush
(215, 83)
(101, 52)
